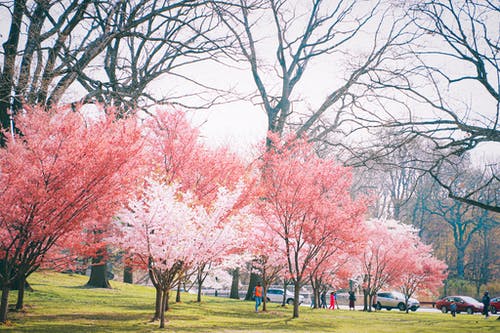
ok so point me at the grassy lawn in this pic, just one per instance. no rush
(60, 303)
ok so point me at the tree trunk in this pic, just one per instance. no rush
(158, 306)
(254, 278)
(9, 64)
(285, 288)
(460, 262)
(164, 302)
(167, 299)
(20, 292)
(365, 300)
(4, 303)
(235, 294)
(296, 297)
(178, 295)
(198, 294)
(98, 274)
(128, 274)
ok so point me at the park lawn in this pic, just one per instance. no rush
(61, 303)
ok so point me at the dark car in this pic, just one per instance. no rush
(464, 304)
(495, 305)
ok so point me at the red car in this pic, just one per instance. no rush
(495, 305)
(464, 304)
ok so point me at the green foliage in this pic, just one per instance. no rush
(61, 303)
(456, 286)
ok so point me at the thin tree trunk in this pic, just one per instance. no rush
(157, 304)
(20, 292)
(163, 308)
(166, 296)
(4, 303)
(178, 295)
(296, 297)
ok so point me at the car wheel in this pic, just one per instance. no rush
(268, 300)
(401, 306)
(469, 311)
(444, 309)
(378, 306)
(289, 301)
(493, 309)
(413, 308)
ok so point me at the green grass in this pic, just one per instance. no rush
(61, 303)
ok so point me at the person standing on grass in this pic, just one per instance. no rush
(352, 300)
(322, 299)
(257, 294)
(486, 304)
(332, 301)
(453, 308)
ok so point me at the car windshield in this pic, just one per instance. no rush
(469, 299)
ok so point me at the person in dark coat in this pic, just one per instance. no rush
(352, 300)
(486, 304)
(322, 299)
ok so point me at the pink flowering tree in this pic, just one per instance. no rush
(387, 254)
(222, 228)
(159, 230)
(306, 202)
(65, 169)
(179, 156)
(424, 275)
(266, 251)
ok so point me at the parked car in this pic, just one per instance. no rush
(276, 295)
(394, 300)
(464, 304)
(495, 305)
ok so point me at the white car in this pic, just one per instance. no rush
(394, 300)
(276, 295)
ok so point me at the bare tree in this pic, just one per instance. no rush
(298, 35)
(112, 49)
(178, 35)
(443, 89)
(465, 221)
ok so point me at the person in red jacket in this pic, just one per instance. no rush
(332, 300)
(257, 294)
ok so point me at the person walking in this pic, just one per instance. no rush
(257, 294)
(486, 304)
(352, 300)
(332, 301)
(322, 299)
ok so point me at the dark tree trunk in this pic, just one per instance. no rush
(4, 303)
(178, 295)
(164, 302)
(128, 274)
(9, 64)
(235, 294)
(296, 298)
(254, 278)
(166, 295)
(20, 293)
(460, 262)
(98, 274)
(157, 304)
(365, 300)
